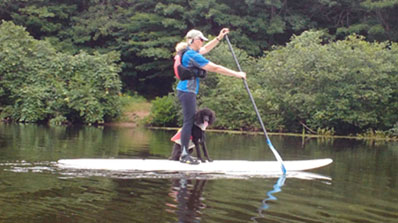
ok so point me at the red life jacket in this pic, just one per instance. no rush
(184, 73)
(177, 139)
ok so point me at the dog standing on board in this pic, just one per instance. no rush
(203, 118)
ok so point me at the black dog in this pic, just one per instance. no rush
(203, 118)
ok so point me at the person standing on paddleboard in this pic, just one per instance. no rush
(188, 89)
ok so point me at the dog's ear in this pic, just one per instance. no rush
(212, 117)
(198, 117)
(210, 113)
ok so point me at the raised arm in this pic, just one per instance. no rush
(210, 45)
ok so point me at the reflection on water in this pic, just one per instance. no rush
(187, 195)
(277, 188)
(189, 203)
(270, 197)
(361, 184)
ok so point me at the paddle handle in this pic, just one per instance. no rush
(276, 154)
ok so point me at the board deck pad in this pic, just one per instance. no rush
(219, 167)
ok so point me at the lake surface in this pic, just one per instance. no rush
(361, 185)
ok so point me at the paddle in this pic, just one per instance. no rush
(276, 154)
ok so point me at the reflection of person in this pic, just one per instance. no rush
(188, 198)
(188, 89)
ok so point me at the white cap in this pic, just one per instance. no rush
(193, 33)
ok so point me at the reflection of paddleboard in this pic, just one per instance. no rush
(230, 167)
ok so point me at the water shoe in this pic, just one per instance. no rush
(189, 160)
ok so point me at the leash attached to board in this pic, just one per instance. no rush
(276, 154)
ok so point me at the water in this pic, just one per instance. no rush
(362, 185)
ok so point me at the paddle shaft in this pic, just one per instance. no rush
(276, 154)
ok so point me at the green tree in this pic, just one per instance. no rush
(347, 85)
(38, 84)
(146, 31)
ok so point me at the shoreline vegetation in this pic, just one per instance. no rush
(137, 112)
(134, 111)
(306, 135)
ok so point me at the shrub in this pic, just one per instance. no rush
(164, 111)
(38, 84)
(348, 85)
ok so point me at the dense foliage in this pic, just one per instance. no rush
(145, 31)
(349, 86)
(165, 111)
(39, 84)
(343, 79)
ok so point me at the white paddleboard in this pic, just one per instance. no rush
(234, 167)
